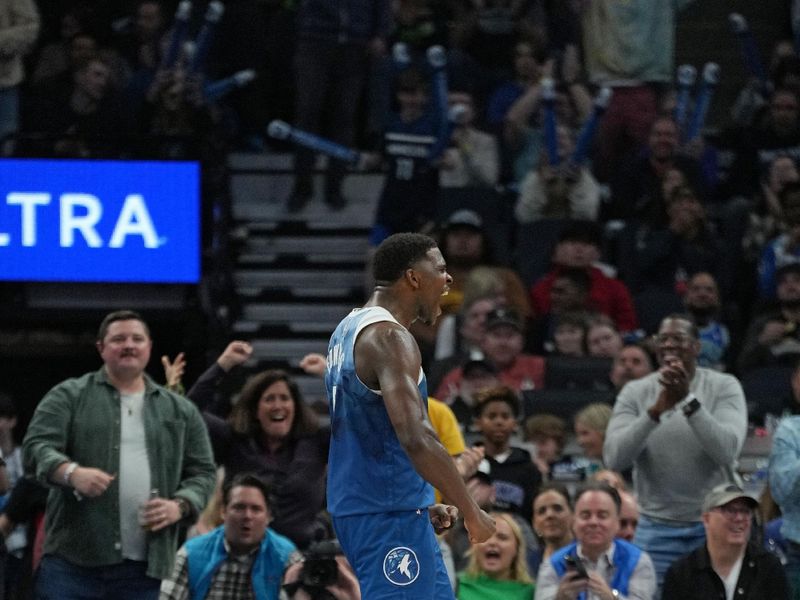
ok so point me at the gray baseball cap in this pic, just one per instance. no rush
(724, 493)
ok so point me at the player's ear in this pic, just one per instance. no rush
(412, 278)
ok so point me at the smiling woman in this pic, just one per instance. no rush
(274, 434)
(552, 522)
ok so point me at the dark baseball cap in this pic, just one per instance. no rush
(477, 367)
(786, 269)
(588, 232)
(464, 218)
(503, 316)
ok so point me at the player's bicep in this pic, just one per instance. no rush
(397, 368)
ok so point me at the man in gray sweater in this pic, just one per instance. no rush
(681, 428)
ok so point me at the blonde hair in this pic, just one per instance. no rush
(594, 416)
(519, 566)
(211, 516)
(484, 281)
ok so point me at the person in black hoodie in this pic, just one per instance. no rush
(513, 473)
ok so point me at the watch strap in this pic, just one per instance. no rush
(691, 407)
(184, 507)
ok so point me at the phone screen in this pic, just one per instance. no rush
(576, 564)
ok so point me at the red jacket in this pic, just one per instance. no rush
(526, 372)
(606, 295)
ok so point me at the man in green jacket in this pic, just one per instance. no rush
(128, 461)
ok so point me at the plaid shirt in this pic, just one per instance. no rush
(231, 582)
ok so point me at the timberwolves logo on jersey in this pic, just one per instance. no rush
(400, 566)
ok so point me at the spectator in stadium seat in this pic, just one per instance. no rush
(89, 115)
(502, 348)
(728, 565)
(628, 516)
(638, 186)
(773, 337)
(513, 474)
(273, 433)
(632, 50)
(602, 337)
(124, 457)
(616, 568)
(591, 423)
(497, 566)
(19, 27)
(580, 246)
(552, 522)
(785, 248)
(681, 429)
(702, 301)
(632, 362)
(242, 557)
(558, 192)
(664, 257)
(784, 469)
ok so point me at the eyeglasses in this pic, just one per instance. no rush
(679, 339)
(731, 512)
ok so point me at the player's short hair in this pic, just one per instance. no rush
(397, 253)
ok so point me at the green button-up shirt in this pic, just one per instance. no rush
(79, 420)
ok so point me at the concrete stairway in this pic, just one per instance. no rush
(297, 274)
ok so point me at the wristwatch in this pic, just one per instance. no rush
(184, 507)
(692, 407)
(68, 472)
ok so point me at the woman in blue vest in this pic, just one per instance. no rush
(597, 565)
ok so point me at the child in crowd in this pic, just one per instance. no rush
(512, 471)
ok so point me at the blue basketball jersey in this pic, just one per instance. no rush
(368, 469)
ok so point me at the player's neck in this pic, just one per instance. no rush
(385, 298)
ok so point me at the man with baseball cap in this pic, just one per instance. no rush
(502, 346)
(727, 566)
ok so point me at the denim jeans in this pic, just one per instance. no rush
(59, 579)
(666, 543)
